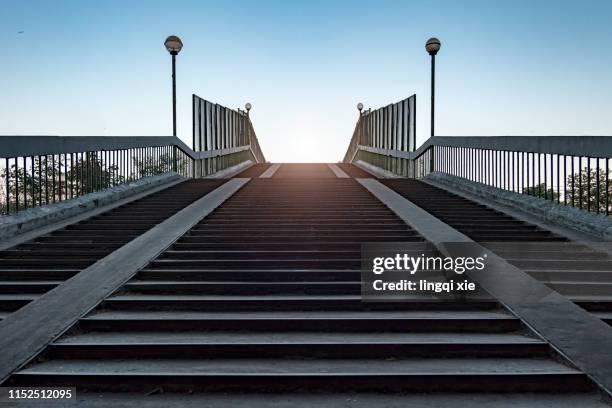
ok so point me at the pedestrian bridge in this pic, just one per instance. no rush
(137, 269)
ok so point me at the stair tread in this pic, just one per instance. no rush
(240, 337)
(334, 400)
(383, 314)
(327, 367)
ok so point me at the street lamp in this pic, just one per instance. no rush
(248, 107)
(360, 107)
(173, 45)
(433, 46)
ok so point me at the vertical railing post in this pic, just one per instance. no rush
(431, 159)
(174, 159)
(8, 186)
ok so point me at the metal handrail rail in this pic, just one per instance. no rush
(14, 146)
(587, 146)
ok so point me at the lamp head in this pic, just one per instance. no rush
(360, 106)
(173, 44)
(433, 46)
(248, 106)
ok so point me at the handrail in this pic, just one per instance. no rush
(587, 146)
(14, 146)
(592, 146)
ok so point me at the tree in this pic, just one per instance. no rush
(89, 174)
(152, 165)
(588, 191)
(541, 191)
(38, 184)
(47, 179)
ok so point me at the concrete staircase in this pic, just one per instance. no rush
(263, 296)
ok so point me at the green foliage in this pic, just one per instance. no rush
(584, 194)
(152, 165)
(586, 187)
(46, 180)
(541, 191)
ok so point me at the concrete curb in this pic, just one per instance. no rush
(599, 226)
(337, 171)
(375, 171)
(231, 171)
(33, 218)
(270, 171)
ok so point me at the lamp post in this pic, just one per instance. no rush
(248, 107)
(433, 46)
(173, 45)
(360, 108)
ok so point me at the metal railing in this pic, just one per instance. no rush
(569, 170)
(40, 170)
(216, 127)
(392, 128)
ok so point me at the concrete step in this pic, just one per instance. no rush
(275, 375)
(301, 399)
(408, 321)
(345, 302)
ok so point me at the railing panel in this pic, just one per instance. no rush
(217, 128)
(391, 127)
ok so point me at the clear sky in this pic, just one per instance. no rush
(505, 67)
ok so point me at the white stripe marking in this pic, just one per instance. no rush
(338, 171)
(270, 171)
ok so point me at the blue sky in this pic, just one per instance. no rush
(505, 68)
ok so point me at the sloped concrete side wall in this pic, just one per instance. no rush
(597, 225)
(28, 220)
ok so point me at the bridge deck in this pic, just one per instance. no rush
(263, 295)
